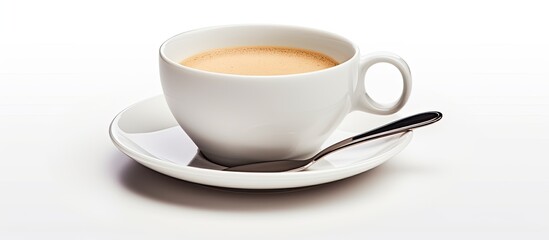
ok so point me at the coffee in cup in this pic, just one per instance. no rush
(259, 60)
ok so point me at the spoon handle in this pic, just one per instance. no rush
(399, 126)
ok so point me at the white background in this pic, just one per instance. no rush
(67, 67)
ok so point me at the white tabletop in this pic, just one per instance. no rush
(66, 69)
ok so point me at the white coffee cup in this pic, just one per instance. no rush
(238, 119)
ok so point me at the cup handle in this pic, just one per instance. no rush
(363, 102)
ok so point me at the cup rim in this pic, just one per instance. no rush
(180, 66)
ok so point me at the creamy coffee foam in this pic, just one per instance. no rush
(260, 60)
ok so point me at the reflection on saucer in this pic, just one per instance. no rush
(200, 161)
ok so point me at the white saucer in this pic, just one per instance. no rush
(148, 133)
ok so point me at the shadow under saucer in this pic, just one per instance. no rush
(150, 184)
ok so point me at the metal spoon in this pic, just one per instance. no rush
(399, 126)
